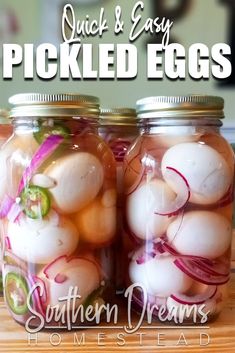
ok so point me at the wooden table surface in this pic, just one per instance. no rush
(217, 337)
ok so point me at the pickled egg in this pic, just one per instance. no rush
(171, 135)
(159, 276)
(193, 312)
(142, 205)
(201, 302)
(41, 241)
(19, 148)
(200, 233)
(80, 273)
(97, 223)
(78, 177)
(205, 170)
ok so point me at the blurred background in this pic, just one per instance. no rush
(38, 21)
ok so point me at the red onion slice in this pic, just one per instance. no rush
(181, 199)
(196, 299)
(6, 205)
(38, 299)
(55, 267)
(192, 270)
(206, 266)
(9, 207)
(168, 248)
(158, 247)
(216, 268)
(138, 300)
(145, 257)
(148, 252)
(8, 243)
(14, 212)
(119, 147)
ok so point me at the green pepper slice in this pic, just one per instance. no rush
(16, 292)
(46, 131)
(35, 201)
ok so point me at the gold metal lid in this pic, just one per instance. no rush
(184, 107)
(54, 105)
(118, 116)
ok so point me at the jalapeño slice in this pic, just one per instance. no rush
(46, 131)
(35, 201)
(95, 295)
(16, 292)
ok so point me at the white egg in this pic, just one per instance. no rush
(142, 205)
(43, 181)
(159, 276)
(205, 170)
(78, 272)
(79, 178)
(96, 224)
(15, 156)
(41, 241)
(169, 136)
(200, 233)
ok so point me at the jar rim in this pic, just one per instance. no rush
(181, 107)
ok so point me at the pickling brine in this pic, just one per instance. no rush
(119, 128)
(228, 132)
(58, 209)
(178, 201)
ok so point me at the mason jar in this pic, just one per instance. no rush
(58, 194)
(5, 133)
(5, 126)
(178, 208)
(119, 128)
(228, 132)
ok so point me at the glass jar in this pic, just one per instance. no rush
(59, 215)
(178, 202)
(228, 132)
(118, 127)
(5, 133)
(5, 126)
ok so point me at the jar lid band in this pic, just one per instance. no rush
(54, 105)
(184, 107)
(118, 116)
